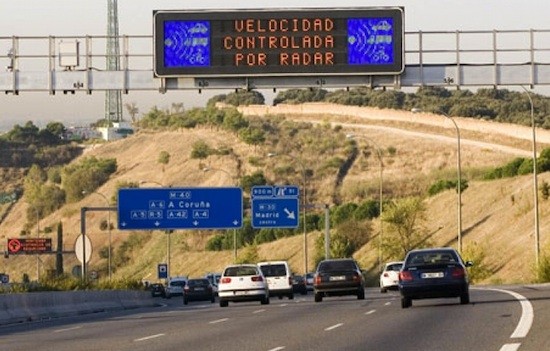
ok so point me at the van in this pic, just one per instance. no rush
(279, 278)
(174, 286)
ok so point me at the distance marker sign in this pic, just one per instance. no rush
(180, 208)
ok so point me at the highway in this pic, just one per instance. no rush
(497, 319)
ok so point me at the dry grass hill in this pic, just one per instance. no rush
(497, 215)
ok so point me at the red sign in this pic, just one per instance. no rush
(29, 246)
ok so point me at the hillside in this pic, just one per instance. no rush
(497, 215)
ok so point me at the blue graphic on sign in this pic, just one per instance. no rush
(275, 206)
(187, 43)
(370, 41)
(180, 208)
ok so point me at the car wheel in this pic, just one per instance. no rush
(213, 299)
(265, 300)
(361, 294)
(168, 296)
(318, 297)
(224, 303)
(406, 302)
(465, 298)
(185, 301)
(383, 290)
(291, 297)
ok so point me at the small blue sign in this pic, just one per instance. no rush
(180, 208)
(162, 271)
(275, 206)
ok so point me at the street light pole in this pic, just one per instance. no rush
(109, 231)
(535, 181)
(380, 188)
(459, 177)
(206, 169)
(303, 205)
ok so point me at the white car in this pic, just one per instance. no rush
(174, 286)
(389, 278)
(242, 282)
(279, 278)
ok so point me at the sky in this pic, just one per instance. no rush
(89, 17)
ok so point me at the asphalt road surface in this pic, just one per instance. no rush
(497, 319)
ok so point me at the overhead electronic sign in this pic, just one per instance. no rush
(303, 42)
(28, 246)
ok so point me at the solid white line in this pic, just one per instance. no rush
(67, 329)
(370, 312)
(527, 314)
(334, 326)
(278, 348)
(219, 321)
(284, 304)
(510, 347)
(258, 311)
(150, 337)
(387, 304)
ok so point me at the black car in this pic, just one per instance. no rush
(157, 289)
(433, 273)
(299, 285)
(198, 289)
(337, 277)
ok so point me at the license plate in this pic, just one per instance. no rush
(337, 278)
(241, 292)
(199, 289)
(432, 275)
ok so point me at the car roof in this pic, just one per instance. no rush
(433, 249)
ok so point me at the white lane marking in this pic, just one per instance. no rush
(278, 348)
(370, 312)
(219, 321)
(334, 326)
(259, 311)
(67, 329)
(527, 314)
(510, 347)
(284, 304)
(149, 337)
(387, 304)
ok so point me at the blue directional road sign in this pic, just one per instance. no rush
(162, 270)
(180, 208)
(275, 206)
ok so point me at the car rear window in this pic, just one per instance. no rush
(432, 257)
(273, 270)
(394, 267)
(333, 266)
(198, 282)
(240, 271)
(178, 283)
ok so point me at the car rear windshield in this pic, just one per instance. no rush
(178, 283)
(394, 267)
(432, 257)
(240, 271)
(273, 270)
(333, 266)
(198, 282)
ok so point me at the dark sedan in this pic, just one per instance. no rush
(433, 273)
(157, 289)
(299, 285)
(198, 289)
(337, 277)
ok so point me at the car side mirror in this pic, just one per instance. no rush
(468, 263)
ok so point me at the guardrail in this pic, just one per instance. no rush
(455, 58)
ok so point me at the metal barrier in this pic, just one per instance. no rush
(445, 58)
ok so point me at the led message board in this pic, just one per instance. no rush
(279, 42)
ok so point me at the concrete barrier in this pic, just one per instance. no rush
(26, 307)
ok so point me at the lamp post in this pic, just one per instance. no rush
(37, 236)
(109, 230)
(380, 188)
(459, 177)
(303, 204)
(535, 181)
(206, 169)
(167, 232)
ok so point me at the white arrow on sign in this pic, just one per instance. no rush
(196, 223)
(235, 222)
(157, 223)
(289, 214)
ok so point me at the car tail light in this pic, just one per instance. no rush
(186, 288)
(458, 272)
(317, 279)
(225, 280)
(356, 277)
(405, 276)
(289, 280)
(257, 278)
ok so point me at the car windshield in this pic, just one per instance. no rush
(240, 271)
(333, 266)
(432, 257)
(198, 282)
(273, 270)
(178, 283)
